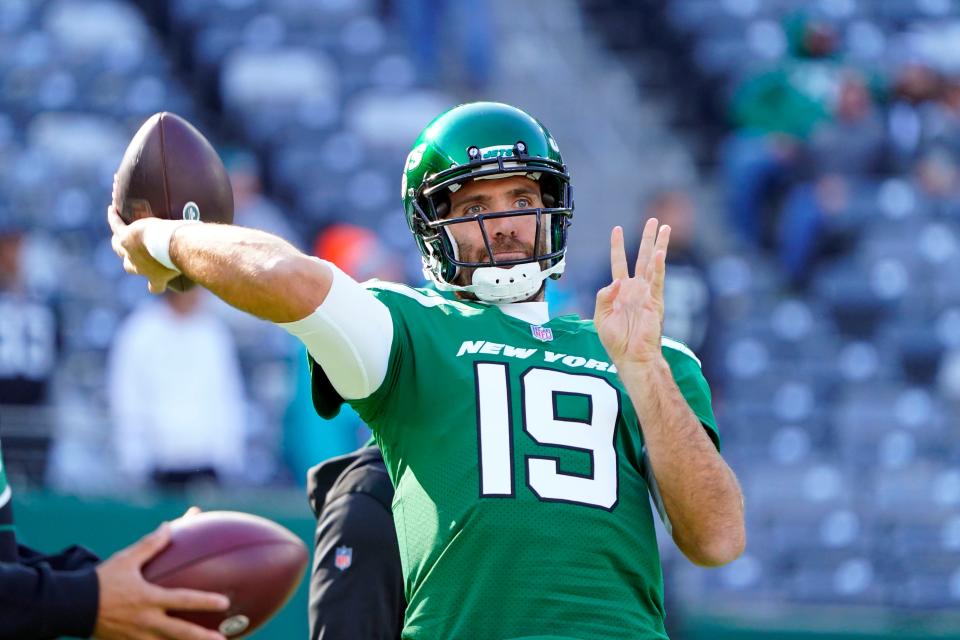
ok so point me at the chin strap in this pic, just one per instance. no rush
(499, 285)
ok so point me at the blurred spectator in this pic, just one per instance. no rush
(851, 142)
(937, 175)
(797, 93)
(687, 296)
(756, 170)
(841, 152)
(436, 28)
(29, 345)
(812, 221)
(176, 394)
(251, 207)
(28, 325)
(914, 115)
(945, 128)
(776, 110)
(307, 438)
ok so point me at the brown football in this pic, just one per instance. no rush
(171, 171)
(255, 562)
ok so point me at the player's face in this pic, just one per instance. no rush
(511, 237)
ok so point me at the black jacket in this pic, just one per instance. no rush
(44, 596)
(356, 588)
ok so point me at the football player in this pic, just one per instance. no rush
(522, 446)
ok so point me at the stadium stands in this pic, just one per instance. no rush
(837, 394)
(830, 405)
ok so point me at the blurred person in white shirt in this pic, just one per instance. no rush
(176, 394)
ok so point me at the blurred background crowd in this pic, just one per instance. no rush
(806, 154)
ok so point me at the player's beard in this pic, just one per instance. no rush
(480, 254)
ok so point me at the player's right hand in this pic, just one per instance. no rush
(127, 242)
(131, 608)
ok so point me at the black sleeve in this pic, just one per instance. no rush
(326, 400)
(39, 601)
(362, 601)
(70, 559)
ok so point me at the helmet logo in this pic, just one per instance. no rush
(416, 154)
(496, 151)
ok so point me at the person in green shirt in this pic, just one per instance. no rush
(523, 447)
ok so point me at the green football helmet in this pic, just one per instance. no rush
(486, 140)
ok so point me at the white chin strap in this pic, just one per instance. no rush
(500, 285)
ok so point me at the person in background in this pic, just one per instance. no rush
(176, 394)
(774, 111)
(814, 221)
(936, 176)
(29, 345)
(798, 91)
(72, 593)
(914, 115)
(356, 587)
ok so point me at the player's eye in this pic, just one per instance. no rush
(473, 210)
(523, 203)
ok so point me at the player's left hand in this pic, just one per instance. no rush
(629, 311)
(127, 242)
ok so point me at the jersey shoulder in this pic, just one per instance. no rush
(407, 298)
(678, 353)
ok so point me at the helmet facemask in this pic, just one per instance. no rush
(493, 280)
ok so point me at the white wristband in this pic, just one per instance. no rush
(156, 240)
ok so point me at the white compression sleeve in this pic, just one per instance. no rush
(349, 335)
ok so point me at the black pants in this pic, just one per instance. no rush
(180, 479)
(356, 587)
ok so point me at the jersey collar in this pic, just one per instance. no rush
(532, 312)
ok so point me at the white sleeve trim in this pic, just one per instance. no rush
(676, 345)
(5, 496)
(349, 335)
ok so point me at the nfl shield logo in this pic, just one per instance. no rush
(343, 558)
(541, 333)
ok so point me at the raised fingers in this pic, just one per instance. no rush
(647, 242)
(658, 266)
(618, 255)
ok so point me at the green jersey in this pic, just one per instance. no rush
(521, 503)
